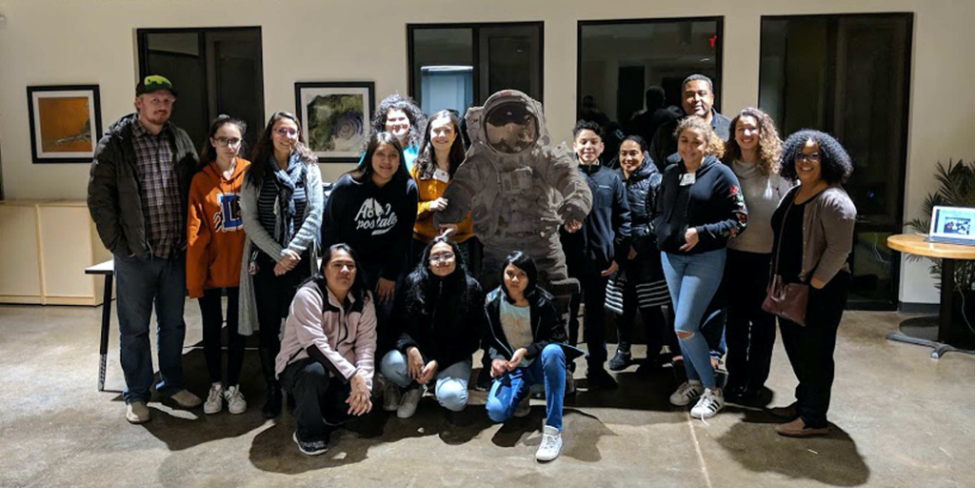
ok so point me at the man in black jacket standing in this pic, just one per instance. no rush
(137, 196)
(697, 100)
(593, 245)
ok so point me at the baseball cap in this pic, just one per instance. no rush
(154, 83)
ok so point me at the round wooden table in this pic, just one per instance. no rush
(946, 336)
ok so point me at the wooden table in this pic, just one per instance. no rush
(108, 269)
(948, 336)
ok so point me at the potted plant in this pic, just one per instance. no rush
(956, 190)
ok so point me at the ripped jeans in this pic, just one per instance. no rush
(692, 282)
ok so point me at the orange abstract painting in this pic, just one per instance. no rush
(65, 124)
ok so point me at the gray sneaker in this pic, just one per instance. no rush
(523, 409)
(137, 412)
(186, 399)
(408, 405)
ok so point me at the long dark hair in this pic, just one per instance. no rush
(364, 170)
(456, 289)
(525, 263)
(407, 106)
(427, 160)
(208, 153)
(264, 149)
(358, 290)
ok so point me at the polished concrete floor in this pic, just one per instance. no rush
(901, 419)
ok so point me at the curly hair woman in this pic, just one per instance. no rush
(401, 117)
(813, 229)
(753, 153)
(700, 207)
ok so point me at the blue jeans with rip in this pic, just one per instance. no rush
(451, 383)
(145, 284)
(549, 369)
(692, 282)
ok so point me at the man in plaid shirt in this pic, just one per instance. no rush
(137, 195)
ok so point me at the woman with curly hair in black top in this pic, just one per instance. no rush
(401, 117)
(441, 312)
(813, 229)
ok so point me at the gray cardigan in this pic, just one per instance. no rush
(828, 230)
(305, 239)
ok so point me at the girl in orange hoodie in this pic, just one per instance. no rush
(215, 242)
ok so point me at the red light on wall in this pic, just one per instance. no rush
(712, 41)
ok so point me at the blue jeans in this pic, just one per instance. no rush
(692, 282)
(509, 390)
(142, 284)
(451, 384)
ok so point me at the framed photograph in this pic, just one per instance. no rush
(335, 118)
(66, 122)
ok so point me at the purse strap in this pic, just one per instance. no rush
(780, 239)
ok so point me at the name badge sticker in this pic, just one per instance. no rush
(687, 179)
(442, 176)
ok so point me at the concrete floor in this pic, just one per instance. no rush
(901, 419)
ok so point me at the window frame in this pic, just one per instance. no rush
(720, 45)
(413, 84)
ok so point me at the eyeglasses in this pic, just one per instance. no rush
(286, 131)
(808, 158)
(442, 258)
(228, 142)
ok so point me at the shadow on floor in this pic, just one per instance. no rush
(832, 460)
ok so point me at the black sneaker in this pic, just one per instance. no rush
(484, 381)
(311, 448)
(621, 361)
(599, 378)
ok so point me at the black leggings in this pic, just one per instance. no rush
(213, 321)
(750, 331)
(273, 296)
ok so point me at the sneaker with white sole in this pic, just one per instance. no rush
(137, 412)
(408, 405)
(186, 399)
(311, 448)
(709, 404)
(391, 396)
(523, 409)
(687, 393)
(235, 400)
(215, 399)
(550, 447)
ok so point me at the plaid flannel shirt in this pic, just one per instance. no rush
(160, 190)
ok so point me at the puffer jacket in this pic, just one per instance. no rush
(642, 190)
(114, 199)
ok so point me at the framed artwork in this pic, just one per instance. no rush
(335, 118)
(66, 122)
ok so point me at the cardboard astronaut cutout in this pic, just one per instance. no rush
(519, 189)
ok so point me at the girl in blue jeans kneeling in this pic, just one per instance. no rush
(523, 334)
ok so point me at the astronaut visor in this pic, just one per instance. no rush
(511, 128)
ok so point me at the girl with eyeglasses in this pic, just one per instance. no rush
(281, 206)
(440, 310)
(215, 244)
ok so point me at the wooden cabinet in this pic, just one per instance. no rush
(45, 247)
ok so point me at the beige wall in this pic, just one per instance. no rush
(92, 41)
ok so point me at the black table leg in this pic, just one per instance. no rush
(103, 349)
(940, 337)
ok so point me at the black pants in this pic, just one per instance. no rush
(811, 349)
(213, 320)
(593, 294)
(273, 296)
(750, 332)
(320, 400)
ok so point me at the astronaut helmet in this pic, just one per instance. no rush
(511, 127)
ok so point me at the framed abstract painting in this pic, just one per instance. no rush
(65, 123)
(335, 118)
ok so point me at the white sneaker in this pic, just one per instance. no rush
(523, 409)
(186, 399)
(551, 445)
(137, 412)
(235, 400)
(709, 404)
(408, 405)
(687, 393)
(215, 399)
(391, 396)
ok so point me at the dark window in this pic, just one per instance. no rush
(848, 75)
(216, 71)
(618, 60)
(459, 65)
